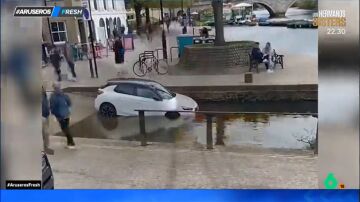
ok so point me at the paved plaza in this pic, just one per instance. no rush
(298, 69)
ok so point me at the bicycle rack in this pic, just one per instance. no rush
(171, 48)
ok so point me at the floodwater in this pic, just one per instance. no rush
(264, 131)
(284, 40)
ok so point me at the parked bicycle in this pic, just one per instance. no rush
(147, 62)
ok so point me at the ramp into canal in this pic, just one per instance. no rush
(110, 164)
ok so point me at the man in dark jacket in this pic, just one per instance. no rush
(45, 123)
(256, 53)
(69, 59)
(55, 60)
(60, 104)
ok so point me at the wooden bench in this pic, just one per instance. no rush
(276, 58)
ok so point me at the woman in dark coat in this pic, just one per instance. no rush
(119, 53)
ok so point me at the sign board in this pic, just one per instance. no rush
(86, 12)
(128, 42)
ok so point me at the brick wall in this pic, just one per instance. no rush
(233, 54)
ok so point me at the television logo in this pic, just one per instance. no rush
(33, 11)
(334, 20)
(49, 11)
(330, 18)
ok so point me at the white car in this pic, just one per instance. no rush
(124, 96)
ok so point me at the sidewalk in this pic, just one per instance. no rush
(109, 164)
(298, 69)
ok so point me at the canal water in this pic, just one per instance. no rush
(299, 42)
(255, 131)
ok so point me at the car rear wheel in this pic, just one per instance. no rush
(107, 110)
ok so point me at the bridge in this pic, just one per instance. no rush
(276, 8)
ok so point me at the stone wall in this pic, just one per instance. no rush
(250, 93)
(244, 93)
(233, 54)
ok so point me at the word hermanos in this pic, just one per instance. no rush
(330, 18)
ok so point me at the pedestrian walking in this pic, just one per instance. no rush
(55, 60)
(44, 54)
(119, 55)
(168, 21)
(122, 31)
(45, 123)
(68, 54)
(60, 105)
(148, 31)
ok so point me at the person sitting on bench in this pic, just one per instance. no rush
(267, 56)
(256, 53)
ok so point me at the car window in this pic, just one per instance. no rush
(145, 92)
(125, 88)
(162, 91)
(164, 95)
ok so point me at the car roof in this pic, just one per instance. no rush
(131, 80)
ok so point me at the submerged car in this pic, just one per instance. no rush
(124, 96)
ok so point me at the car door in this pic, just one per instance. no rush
(125, 99)
(148, 99)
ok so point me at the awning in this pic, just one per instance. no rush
(242, 5)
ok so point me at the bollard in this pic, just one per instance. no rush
(220, 130)
(316, 149)
(209, 137)
(248, 77)
(91, 68)
(142, 128)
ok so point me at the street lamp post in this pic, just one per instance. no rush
(182, 17)
(48, 22)
(92, 45)
(163, 36)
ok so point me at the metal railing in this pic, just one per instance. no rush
(209, 121)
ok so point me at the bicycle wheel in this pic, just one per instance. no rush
(161, 67)
(140, 69)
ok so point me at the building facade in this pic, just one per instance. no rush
(108, 16)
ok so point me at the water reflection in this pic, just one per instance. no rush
(260, 130)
